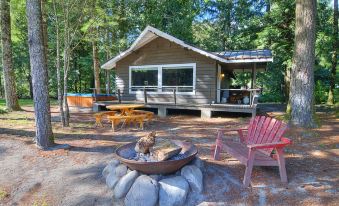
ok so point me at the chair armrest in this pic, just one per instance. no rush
(229, 130)
(268, 145)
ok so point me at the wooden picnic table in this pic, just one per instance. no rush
(125, 109)
(126, 114)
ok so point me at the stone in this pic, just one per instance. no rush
(199, 163)
(163, 149)
(114, 162)
(124, 184)
(111, 180)
(110, 167)
(120, 170)
(194, 177)
(144, 192)
(173, 191)
(155, 177)
(145, 143)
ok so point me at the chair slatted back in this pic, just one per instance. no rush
(263, 130)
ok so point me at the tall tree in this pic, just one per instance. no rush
(58, 65)
(302, 73)
(12, 103)
(95, 54)
(44, 134)
(334, 54)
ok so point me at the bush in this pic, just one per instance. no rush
(271, 97)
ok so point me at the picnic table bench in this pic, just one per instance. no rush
(263, 135)
(127, 120)
(126, 114)
(149, 115)
(100, 115)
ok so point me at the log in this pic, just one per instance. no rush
(164, 149)
(143, 145)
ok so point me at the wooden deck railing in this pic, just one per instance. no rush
(174, 93)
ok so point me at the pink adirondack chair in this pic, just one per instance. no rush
(263, 135)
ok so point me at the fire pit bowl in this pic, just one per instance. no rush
(126, 152)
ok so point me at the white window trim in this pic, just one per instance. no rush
(159, 68)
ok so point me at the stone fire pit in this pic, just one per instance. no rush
(126, 154)
(139, 178)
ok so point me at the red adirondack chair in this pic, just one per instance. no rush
(263, 135)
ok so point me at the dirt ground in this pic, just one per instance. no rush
(73, 177)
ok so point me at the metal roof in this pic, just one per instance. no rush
(245, 54)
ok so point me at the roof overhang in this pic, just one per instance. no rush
(151, 33)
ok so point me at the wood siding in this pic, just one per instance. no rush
(161, 51)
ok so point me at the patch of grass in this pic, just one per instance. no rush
(3, 194)
(25, 102)
(40, 203)
(2, 111)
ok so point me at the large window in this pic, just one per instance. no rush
(144, 78)
(179, 78)
(163, 78)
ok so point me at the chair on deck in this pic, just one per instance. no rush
(263, 136)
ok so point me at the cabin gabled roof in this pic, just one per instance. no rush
(151, 33)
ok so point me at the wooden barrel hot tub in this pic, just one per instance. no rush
(87, 100)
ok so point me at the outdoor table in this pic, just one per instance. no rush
(125, 109)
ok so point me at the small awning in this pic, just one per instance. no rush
(259, 54)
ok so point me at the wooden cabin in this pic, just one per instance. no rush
(166, 73)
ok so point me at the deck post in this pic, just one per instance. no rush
(254, 76)
(175, 96)
(206, 113)
(145, 96)
(162, 111)
(119, 96)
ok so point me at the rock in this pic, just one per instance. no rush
(199, 163)
(111, 180)
(194, 177)
(110, 167)
(163, 149)
(155, 177)
(144, 192)
(120, 170)
(114, 162)
(145, 143)
(173, 191)
(124, 184)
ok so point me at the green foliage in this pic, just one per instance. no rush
(214, 25)
(241, 79)
(3, 194)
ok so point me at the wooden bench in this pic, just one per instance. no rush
(127, 119)
(149, 115)
(99, 116)
(263, 135)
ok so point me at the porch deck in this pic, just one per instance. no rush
(206, 109)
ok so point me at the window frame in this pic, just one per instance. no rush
(160, 67)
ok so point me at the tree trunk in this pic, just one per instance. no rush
(66, 68)
(96, 66)
(302, 73)
(58, 67)
(44, 134)
(66, 60)
(108, 82)
(11, 97)
(1, 93)
(44, 28)
(29, 79)
(330, 99)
